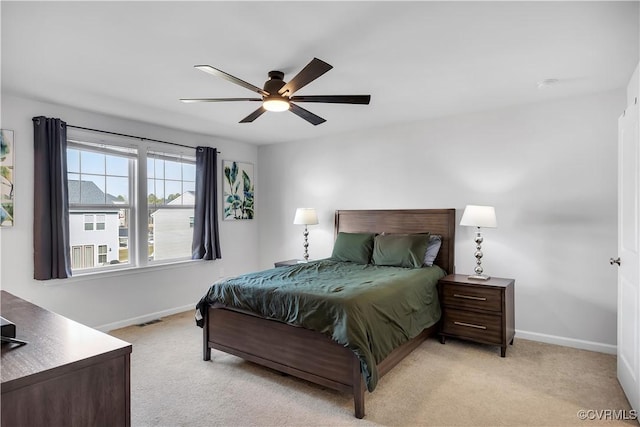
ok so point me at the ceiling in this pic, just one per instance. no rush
(418, 60)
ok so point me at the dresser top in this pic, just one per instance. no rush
(464, 279)
(55, 344)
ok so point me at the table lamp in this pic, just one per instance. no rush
(479, 216)
(306, 216)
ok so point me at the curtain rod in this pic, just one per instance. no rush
(132, 136)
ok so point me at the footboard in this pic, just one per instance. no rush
(293, 350)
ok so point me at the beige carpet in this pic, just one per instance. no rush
(456, 384)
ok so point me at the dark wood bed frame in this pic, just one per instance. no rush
(311, 355)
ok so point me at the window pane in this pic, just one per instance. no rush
(73, 181)
(73, 161)
(188, 186)
(117, 189)
(173, 190)
(159, 168)
(151, 170)
(88, 222)
(92, 162)
(151, 187)
(117, 166)
(92, 189)
(100, 222)
(102, 254)
(156, 197)
(188, 172)
(172, 170)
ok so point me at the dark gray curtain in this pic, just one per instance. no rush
(52, 257)
(206, 244)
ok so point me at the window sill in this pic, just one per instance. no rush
(123, 271)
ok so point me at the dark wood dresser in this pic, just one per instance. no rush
(477, 310)
(66, 375)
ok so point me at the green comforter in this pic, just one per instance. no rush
(369, 309)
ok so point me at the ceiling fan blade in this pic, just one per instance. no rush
(219, 73)
(309, 73)
(334, 99)
(307, 115)
(189, 100)
(251, 117)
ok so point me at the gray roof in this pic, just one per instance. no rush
(91, 194)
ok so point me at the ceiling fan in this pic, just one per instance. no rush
(277, 95)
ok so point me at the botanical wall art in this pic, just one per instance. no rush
(237, 190)
(6, 177)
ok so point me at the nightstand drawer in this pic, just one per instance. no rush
(482, 298)
(478, 326)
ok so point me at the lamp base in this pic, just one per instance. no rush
(479, 277)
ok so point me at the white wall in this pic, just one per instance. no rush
(548, 168)
(111, 300)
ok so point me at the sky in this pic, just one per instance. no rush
(111, 173)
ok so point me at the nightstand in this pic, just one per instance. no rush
(288, 262)
(477, 310)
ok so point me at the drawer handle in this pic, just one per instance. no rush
(470, 325)
(469, 297)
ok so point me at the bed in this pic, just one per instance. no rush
(321, 356)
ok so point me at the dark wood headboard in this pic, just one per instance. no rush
(435, 221)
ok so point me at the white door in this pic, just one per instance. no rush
(629, 254)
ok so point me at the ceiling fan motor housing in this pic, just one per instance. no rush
(274, 83)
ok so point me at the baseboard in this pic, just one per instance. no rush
(567, 342)
(532, 336)
(145, 318)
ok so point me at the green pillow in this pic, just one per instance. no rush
(354, 247)
(400, 250)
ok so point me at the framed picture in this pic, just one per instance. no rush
(6, 177)
(237, 190)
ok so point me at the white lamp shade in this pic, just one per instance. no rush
(305, 216)
(479, 216)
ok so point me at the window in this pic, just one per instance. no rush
(100, 222)
(88, 222)
(100, 179)
(105, 212)
(102, 254)
(94, 222)
(171, 198)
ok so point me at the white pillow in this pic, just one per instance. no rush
(435, 241)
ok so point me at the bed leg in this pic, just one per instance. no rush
(358, 389)
(206, 350)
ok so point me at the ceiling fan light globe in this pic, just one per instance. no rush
(275, 105)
